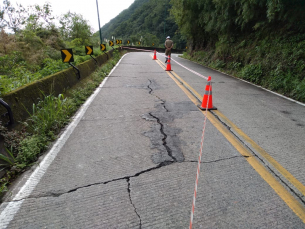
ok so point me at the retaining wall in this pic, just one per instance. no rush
(23, 98)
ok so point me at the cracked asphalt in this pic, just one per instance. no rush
(131, 163)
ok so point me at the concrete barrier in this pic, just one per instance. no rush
(161, 50)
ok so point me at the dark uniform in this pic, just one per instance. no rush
(168, 47)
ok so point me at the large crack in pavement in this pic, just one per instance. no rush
(135, 209)
(168, 149)
(148, 86)
(162, 136)
(163, 164)
(58, 194)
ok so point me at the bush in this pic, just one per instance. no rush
(252, 72)
(29, 150)
(299, 91)
(8, 62)
(218, 64)
(51, 66)
(50, 114)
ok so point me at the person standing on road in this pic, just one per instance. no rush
(168, 47)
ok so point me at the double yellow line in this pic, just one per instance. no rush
(286, 196)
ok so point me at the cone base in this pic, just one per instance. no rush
(168, 70)
(202, 108)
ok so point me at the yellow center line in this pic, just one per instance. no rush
(264, 154)
(286, 196)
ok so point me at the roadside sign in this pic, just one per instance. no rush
(111, 43)
(128, 42)
(103, 47)
(153, 44)
(67, 55)
(89, 50)
(139, 42)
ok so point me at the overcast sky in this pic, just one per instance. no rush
(108, 9)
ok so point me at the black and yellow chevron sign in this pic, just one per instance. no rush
(89, 50)
(67, 55)
(117, 42)
(121, 41)
(153, 44)
(128, 41)
(111, 43)
(139, 42)
(103, 47)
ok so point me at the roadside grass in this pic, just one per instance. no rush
(276, 63)
(46, 120)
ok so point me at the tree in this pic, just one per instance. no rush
(39, 16)
(12, 17)
(74, 26)
(151, 39)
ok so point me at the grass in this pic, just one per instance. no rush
(47, 119)
(8, 160)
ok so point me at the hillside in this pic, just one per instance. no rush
(261, 41)
(149, 19)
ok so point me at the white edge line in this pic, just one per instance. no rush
(283, 96)
(13, 207)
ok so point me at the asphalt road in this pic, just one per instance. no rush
(129, 158)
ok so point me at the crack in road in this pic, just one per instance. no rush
(148, 86)
(54, 194)
(127, 178)
(222, 159)
(150, 92)
(135, 209)
(164, 143)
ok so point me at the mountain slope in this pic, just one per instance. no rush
(145, 20)
(262, 41)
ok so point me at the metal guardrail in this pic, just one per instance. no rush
(9, 113)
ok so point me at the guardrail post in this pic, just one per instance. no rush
(9, 113)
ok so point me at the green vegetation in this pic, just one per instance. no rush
(46, 120)
(259, 41)
(33, 50)
(149, 19)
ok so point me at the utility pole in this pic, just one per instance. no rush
(99, 25)
(164, 18)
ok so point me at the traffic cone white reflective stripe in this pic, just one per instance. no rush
(207, 101)
(168, 66)
(155, 56)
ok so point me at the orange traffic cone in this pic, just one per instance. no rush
(168, 66)
(155, 56)
(207, 101)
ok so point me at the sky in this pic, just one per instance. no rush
(107, 9)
